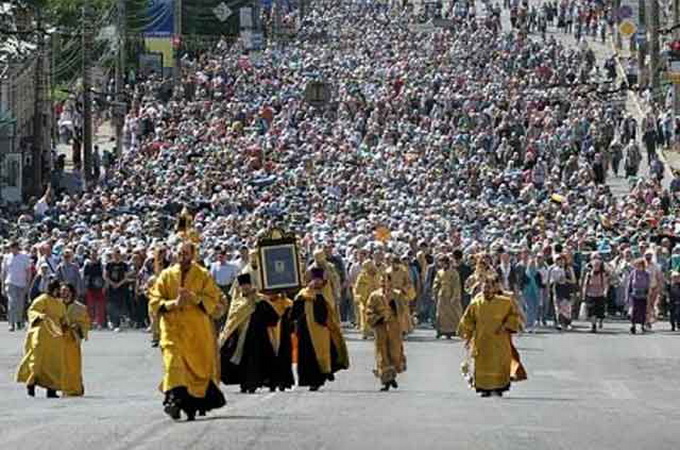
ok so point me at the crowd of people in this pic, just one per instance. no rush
(457, 178)
(439, 152)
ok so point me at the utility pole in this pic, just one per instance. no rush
(302, 12)
(676, 35)
(277, 21)
(642, 47)
(177, 75)
(88, 38)
(119, 110)
(654, 57)
(618, 40)
(38, 105)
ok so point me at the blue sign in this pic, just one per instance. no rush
(625, 12)
(160, 18)
(640, 37)
(285, 5)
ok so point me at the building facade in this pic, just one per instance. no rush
(18, 64)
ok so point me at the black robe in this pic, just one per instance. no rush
(309, 373)
(255, 367)
(282, 364)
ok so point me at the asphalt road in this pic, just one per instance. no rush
(606, 391)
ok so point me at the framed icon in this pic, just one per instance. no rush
(279, 262)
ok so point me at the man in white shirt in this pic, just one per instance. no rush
(244, 258)
(223, 271)
(16, 276)
(46, 257)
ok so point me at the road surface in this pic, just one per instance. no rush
(604, 391)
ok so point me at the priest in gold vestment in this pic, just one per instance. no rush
(447, 291)
(487, 327)
(43, 361)
(78, 323)
(322, 350)
(184, 297)
(367, 282)
(384, 312)
(401, 281)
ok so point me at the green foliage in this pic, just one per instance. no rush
(66, 13)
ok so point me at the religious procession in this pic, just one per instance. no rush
(266, 334)
(470, 185)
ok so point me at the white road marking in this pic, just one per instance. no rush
(564, 375)
(267, 397)
(618, 390)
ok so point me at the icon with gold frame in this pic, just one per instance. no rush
(279, 262)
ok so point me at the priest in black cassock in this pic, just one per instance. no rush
(321, 348)
(280, 335)
(246, 350)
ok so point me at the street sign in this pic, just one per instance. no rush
(222, 12)
(640, 37)
(317, 93)
(631, 12)
(625, 12)
(246, 17)
(252, 40)
(627, 28)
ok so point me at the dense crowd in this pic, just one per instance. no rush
(458, 141)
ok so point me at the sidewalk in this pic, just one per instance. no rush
(639, 108)
(104, 137)
(619, 185)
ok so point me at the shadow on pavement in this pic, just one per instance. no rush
(206, 419)
(530, 350)
(538, 399)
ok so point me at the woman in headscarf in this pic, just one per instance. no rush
(562, 281)
(594, 291)
(638, 290)
(531, 293)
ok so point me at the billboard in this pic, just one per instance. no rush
(160, 18)
(208, 17)
(199, 17)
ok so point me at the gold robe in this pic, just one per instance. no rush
(44, 349)
(79, 325)
(187, 334)
(386, 323)
(323, 336)
(365, 285)
(235, 290)
(401, 281)
(240, 312)
(332, 290)
(491, 349)
(447, 294)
